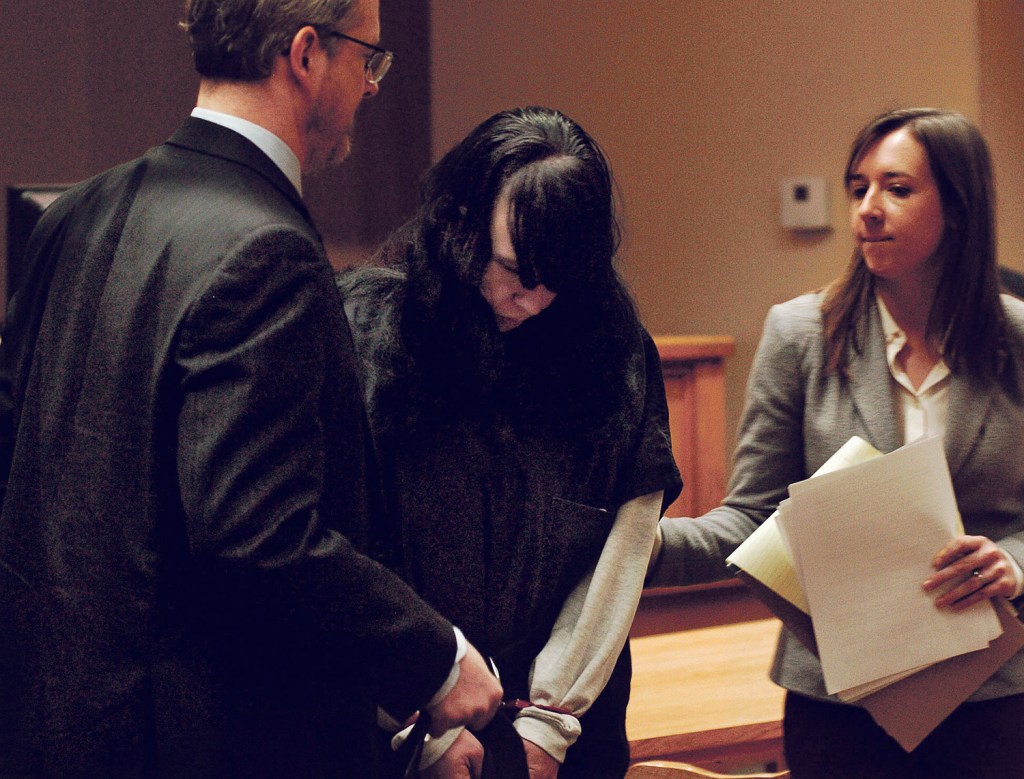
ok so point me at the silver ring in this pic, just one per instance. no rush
(977, 574)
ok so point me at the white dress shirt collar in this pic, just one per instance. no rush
(923, 410)
(266, 141)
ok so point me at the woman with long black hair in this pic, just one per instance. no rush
(519, 416)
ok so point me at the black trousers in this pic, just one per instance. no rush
(825, 740)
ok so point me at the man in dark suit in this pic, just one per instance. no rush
(181, 587)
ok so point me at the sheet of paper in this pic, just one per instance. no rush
(912, 708)
(862, 539)
(865, 690)
(765, 555)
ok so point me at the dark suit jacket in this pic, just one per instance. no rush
(797, 416)
(180, 591)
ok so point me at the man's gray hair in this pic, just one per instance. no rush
(239, 39)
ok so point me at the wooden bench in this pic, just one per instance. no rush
(703, 695)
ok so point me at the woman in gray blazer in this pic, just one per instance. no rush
(913, 339)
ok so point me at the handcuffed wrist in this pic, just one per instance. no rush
(551, 731)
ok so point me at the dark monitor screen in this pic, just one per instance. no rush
(25, 204)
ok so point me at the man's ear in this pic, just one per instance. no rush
(304, 46)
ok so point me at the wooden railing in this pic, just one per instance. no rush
(694, 370)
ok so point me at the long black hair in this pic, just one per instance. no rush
(565, 234)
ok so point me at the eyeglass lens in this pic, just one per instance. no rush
(377, 66)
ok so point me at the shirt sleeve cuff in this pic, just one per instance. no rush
(433, 748)
(453, 675)
(551, 731)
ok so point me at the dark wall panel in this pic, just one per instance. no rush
(85, 85)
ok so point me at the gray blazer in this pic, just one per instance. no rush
(796, 417)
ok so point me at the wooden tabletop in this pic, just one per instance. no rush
(703, 690)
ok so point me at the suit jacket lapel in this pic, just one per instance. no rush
(209, 138)
(871, 387)
(969, 402)
(875, 402)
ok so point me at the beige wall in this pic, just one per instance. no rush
(702, 108)
(1001, 25)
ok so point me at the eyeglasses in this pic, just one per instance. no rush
(377, 65)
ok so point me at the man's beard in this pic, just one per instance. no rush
(326, 148)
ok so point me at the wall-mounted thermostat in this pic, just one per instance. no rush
(805, 203)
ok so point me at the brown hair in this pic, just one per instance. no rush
(966, 318)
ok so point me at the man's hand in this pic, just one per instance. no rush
(541, 764)
(464, 759)
(472, 702)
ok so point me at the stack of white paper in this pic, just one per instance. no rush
(862, 539)
(765, 556)
(864, 568)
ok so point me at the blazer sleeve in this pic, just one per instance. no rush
(769, 456)
(251, 454)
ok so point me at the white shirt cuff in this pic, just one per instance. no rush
(433, 748)
(453, 676)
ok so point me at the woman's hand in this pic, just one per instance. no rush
(464, 759)
(541, 764)
(978, 568)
